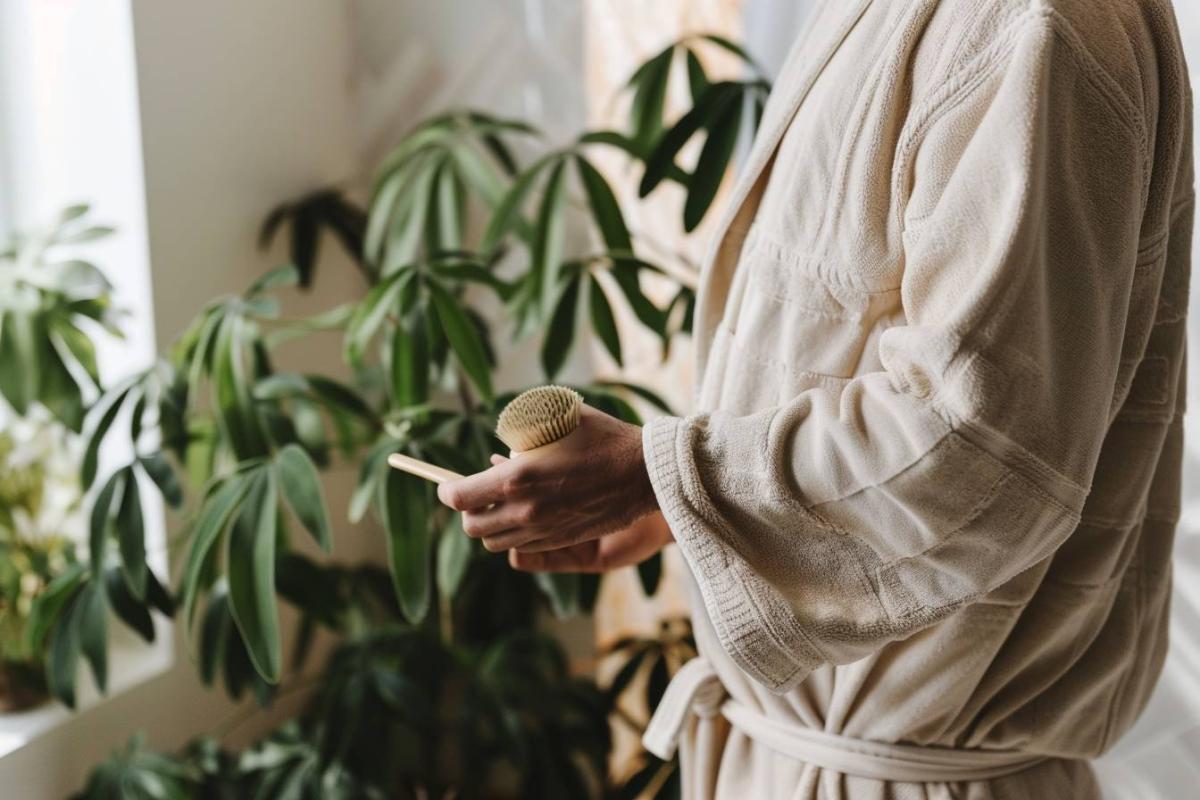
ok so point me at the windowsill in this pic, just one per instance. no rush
(131, 662)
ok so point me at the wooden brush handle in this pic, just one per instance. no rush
(421, 469)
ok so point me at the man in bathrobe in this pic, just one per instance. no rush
(929, 494)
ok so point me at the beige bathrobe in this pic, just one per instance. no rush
(930, 491)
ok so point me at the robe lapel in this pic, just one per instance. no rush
(832, 21)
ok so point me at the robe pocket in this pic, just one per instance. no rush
(802, 326)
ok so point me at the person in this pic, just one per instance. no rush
(928, 496)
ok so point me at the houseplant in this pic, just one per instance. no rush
(446, 225)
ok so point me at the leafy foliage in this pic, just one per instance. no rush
(442, 683)
(48, 304)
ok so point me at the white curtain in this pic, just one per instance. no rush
(1159, 759)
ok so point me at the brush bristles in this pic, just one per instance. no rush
(537, 417)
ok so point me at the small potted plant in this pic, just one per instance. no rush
(40, 501)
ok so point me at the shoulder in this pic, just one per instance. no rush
(1131, 47)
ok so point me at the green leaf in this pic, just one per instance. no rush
(59, 392)
(649, 99)
(81, 348)
(302, 490)
(231, 391)
(372, 470)
(478, 173)
(650, 315)
(698, 81)
(251, 564)
(464, 340)
(455, 550)
(49, 603)
(160, 471)
(732, 47)
(661, 161)
(547, 252)
(93, 630)
(713, 163)
(287, 275)
(508, 213)
(410, 364)
(131, 536)
(337, 396)
(215, 513)
(62, 658)
(562, 589)
(605, 208)
(603, 322)
(560, 335)
(126, 606)
(404, 511)
(102, 518)
(19, 374)
(650, 572)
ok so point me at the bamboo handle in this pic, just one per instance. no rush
(421, 469)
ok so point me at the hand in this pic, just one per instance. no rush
(584, 486)
(627, 547)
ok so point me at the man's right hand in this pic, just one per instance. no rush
(627, 547)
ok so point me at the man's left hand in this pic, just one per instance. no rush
(588, 484)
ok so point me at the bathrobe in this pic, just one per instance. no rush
(928, 495)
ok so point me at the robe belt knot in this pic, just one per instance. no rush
(696, 690)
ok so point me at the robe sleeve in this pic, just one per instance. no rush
(822, 529)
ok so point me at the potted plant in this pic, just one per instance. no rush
(443, 685)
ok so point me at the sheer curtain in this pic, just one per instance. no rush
(1160, 758)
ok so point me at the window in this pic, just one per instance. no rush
(70, 133)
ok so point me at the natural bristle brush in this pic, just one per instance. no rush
(534, 418)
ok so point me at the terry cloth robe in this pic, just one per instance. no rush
(930, 490)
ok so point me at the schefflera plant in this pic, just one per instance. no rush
(453, 215)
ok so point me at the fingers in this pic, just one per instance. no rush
(480, 490)
(497, 459)
(583, 557)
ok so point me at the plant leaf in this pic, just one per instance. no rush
(404, 511)
(649, 99)
(62, 658)
(603, 322)
(508, 213)
(454, 556)
(215, 513)
(563, 591)
(91, 455)
(251, 565)
(661, 161)
(546, 255)
(713, 163)
(101, 518)
(131, 536)
(160, 471)
(698, 81)
(287, 275)
(605, 208)
(464, 340)
(560, 334)
(126, 606)
(301, 489)
(650, 572)
(410, 364)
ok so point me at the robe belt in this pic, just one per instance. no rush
(696, 690)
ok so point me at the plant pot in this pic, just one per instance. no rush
(22, 687)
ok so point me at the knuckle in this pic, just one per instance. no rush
(515, 485)
(526, 514)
